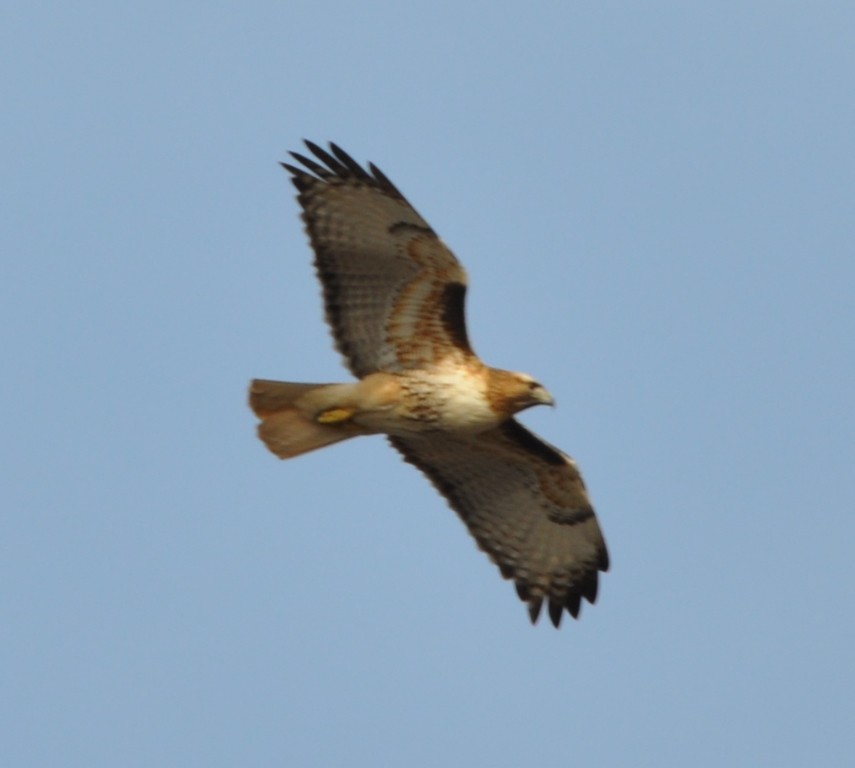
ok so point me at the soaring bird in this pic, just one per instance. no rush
(394, 298)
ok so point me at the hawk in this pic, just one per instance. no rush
(394, 298)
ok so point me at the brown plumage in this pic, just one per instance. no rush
(394, 297)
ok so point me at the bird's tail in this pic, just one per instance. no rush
(288, 429)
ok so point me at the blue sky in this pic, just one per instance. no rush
(654, 205)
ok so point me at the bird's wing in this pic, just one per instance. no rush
(525, 503)
(394, 293)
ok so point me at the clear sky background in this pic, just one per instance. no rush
(655, 206)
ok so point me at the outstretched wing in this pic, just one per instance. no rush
(394, 293)
(526, 505)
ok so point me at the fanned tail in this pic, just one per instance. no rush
(285, 429)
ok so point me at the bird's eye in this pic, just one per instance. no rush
(533, 385)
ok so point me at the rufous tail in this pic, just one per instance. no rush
(287, 430)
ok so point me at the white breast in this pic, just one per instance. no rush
(451, 400)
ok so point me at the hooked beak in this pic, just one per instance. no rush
(543, 397)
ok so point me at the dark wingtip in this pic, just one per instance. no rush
(603, 562)
(315, 149)
(355, 168)
(337, 163)
(338, 168)
(573, 602)
(314, 167)
(383, 180)
(299, 178)
(588, 587)
(292, 169)
(555, 612)
(534, 609)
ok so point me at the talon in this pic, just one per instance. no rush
(334, 416)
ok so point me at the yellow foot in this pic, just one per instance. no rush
(334, 416)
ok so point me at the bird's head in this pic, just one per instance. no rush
(513, 392)
(534, 392)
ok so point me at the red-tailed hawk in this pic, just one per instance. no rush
(394, 298)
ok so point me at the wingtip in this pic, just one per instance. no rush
(604, 562)
(313, 147)
(534, 609)
(589, 587)
(383, 180)
(335, 162)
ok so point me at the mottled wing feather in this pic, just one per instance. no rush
(526, 505)
(394, 293)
